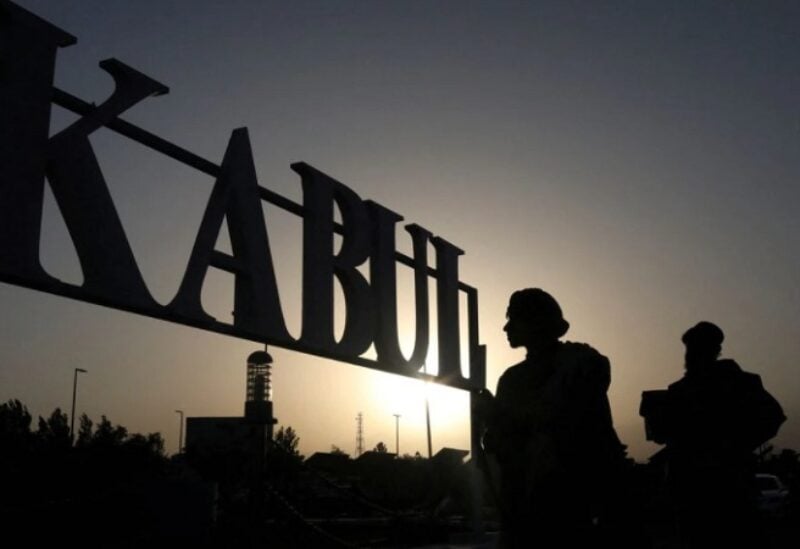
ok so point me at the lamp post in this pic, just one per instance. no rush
(397, 434)
(427, 412)
(180, 432)
(72, 415)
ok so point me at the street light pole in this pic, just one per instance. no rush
(180, 435)
(397, 434)
(72, 415)
(428, 426)
(427, 412)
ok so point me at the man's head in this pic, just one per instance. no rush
(534, 319)
(703, 344)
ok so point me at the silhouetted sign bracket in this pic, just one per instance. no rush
(29, 156)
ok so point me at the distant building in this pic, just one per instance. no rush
(215, 435)
(336, 464)
(450, 457)
(385, 479)
(247, 435)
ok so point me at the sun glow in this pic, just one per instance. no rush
(448, 409)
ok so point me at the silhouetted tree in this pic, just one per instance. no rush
(53, 433)
(380, 448)
(286, 441)
(15, 421)
(16, 439)
(284, 460)
(107, 435)
(151, 444)
(84, 431)
(335, 450)
(120, 480)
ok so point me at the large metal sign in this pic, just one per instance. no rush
(29, 157)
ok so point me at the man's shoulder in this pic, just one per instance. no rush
(734, 375)
(512, 372)
(744, 381)
(581, 356)
(727, 376)
(728, 366)
(581, 361)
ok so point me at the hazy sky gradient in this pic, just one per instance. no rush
(639, 160)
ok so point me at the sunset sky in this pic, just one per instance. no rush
(638, 160)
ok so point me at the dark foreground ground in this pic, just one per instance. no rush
(422, 533)
(779, 534)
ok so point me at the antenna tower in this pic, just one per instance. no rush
(359, 434)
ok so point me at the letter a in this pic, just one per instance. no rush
(257, 307)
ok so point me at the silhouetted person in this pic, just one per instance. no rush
(550, 429)
(711, 421)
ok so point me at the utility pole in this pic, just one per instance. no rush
(397, 434)
(180, 432)
(427, 413)
(428, 423)
(72, 415)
